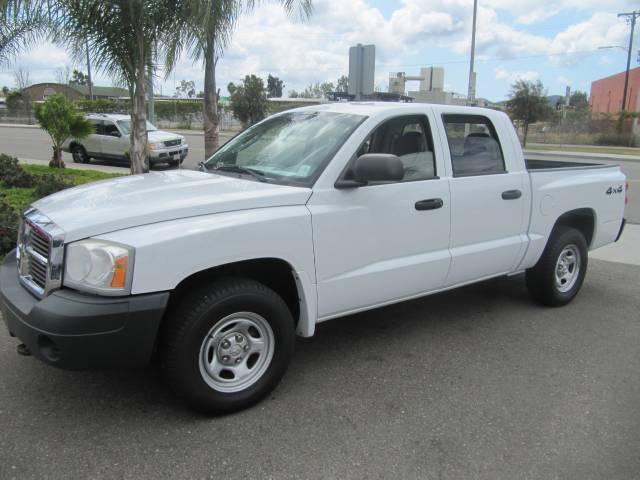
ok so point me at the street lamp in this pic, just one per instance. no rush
(604, 47)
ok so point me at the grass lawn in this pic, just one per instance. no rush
(586, 149)
(19, 198)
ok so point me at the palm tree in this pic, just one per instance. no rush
(210, 27)
(123, 38)
(21, 23)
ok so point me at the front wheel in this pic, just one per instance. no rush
(79, 154)
(557, 277)
(226, 346)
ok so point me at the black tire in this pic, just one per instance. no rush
(191, 320)
(79, 154)
(541, 279)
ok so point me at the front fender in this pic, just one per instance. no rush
(168, 252)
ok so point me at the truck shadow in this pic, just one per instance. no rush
(397, 333)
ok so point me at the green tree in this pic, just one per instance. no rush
(17, 103)
(186, 89)
(249, 100)
(274, 87)
(342, 84)
(79, 78)
(528, 104)
(579, 100)
(58, 117)
(124, 39)
(211, 26)
(318, 90)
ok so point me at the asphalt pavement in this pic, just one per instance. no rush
(478, 383)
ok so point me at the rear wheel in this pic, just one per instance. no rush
(226, 346)
(557, 277)
(79, 154)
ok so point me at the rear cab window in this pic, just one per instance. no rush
(474, 145)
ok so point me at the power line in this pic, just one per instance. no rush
(631, 18)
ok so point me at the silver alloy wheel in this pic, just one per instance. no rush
(567, 268)
(236, 352)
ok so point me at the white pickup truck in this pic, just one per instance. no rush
(310, 215)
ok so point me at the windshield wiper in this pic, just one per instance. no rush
(257, 174)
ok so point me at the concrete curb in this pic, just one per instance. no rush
(79, 166)
(626, 250)
(17, 125)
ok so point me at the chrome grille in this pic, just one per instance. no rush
(40, 242)
(172, 143)
(39, 254)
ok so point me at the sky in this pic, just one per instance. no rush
(555, 42)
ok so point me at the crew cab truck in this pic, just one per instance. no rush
(110, 141)
(310, 215)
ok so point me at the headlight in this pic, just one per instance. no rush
(99, 267)
(156, 146)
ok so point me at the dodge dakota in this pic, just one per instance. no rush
(310, 215)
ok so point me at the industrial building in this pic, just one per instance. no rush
(430, 87)
(606, 93)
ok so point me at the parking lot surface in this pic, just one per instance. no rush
(473, 383)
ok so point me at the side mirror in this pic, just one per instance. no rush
(114, 133)
(374, 167)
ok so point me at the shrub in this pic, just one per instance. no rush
(12, 175)
(616, 139)
(49, 184)
(9, 221)
(104, 106)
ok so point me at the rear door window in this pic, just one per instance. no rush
(474, 145)
(99, 126)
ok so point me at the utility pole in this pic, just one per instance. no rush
(471, 94)
(151, 105)
(86, 45)
(631, 18)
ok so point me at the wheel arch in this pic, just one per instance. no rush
(275, 273)
(582, 219)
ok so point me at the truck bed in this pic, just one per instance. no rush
(546, 165)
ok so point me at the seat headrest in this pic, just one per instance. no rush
(477, 143)
(410, 142)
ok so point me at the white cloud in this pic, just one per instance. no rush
(269, 42)
(531, 11)
(564, 80)
(503, 74)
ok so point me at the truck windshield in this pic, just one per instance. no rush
(292, 148)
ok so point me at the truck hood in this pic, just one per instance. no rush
(110, 205)
(162, 136)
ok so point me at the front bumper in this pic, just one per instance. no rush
(169, 154)
(71, 330)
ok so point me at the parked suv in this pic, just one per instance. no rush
(111, 140)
